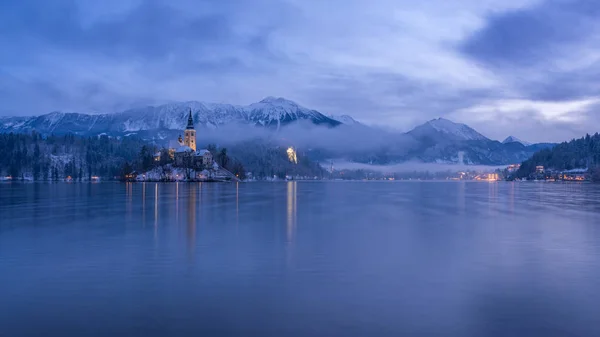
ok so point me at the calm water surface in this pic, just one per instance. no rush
(300, 259)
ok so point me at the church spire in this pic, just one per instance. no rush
(190, 124)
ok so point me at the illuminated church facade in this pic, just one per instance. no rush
(186, 152)
(189, 134)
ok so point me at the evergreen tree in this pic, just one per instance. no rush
(146, 158)
(36, 160)
(578, 153)
(222, 158)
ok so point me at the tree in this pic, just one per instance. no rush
(45, 169)
(596, 174)
(222, 158)
(126, 170)
(55, 174)
(146, 158)
(188, 164)
(578, 153)
(238, 170)
(163, 164)
(212, 148)
(36, 161)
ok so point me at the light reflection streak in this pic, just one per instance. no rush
(291, 210)
(128, 198)
(155, 210)
(461, 196)
(191, 218)
(177, 202)
(144, 204)
(492, 196)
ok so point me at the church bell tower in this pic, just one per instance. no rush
(189, 138)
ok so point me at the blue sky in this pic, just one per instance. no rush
(524, 67)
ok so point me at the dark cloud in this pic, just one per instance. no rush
(151, 31)
(394, 63)
(525, 37)
(541, 50)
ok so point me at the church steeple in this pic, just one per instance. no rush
(189, 134)
(190, 124)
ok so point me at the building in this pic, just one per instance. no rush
(207, 157)
(189, 138)
(170, 151)
(186, 155)
(513, 168)
(539, 169)
(578, 174)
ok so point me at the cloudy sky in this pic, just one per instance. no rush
(530, 68)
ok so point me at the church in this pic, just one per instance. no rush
(185, 154)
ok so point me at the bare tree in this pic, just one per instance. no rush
(164, 164)
(188, 164)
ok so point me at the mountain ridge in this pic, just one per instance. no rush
(513, 139)
(437, 140)
(269, 112)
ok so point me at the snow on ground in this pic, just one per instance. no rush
(457, 129)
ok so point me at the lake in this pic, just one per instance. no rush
(300, 259)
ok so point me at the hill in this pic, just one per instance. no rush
(55, 157)
(578, 153)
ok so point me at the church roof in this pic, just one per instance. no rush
(202, 152)
(184, 148)
(190, 124)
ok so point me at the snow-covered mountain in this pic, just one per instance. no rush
(273, 111)
(438, 140)
(270, 112)
(443, 129)
(513, 139)
(344, 119)
(441, 140)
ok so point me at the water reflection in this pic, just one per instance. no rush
(372, 259)
(460, 197)
(128, 198)
(177, 202)
(291, 210)
(144, 204)
(492, 197)
(511, 198)
(191, 217)
(155, 210)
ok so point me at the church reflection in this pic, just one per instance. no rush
(191, 216)
(128, 199)
(291, 210)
